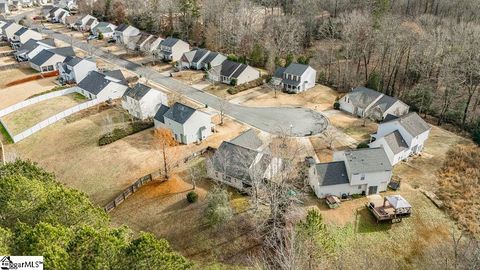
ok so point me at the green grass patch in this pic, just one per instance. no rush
(56, 88)
(120, 133)
(5, 135)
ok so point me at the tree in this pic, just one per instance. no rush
(118, 12)
(218, 210)
(164, 140)
(257, 56)
(5, 241)
(100, 36)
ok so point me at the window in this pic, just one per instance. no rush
(362, 177)
(359, 187)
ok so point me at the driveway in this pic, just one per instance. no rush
(295, 122)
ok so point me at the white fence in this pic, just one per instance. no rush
(38, 99)
(51, 120)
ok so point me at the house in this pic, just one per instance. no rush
(200, 59)
(187, 124)
(142, 101)
(23, 35)
(75, 69)
(137, 43)
(47, 59)
(22, 53)
(107, 29)
(57, 15)
(172, 49)
(124, 32)
(233, 73)
(9, 29)
(4, 7)
(103, 86)
(401, 137)
(154, 45)
(71, 20)
(296, 78)
(26, 3)
(362, 171)
(241, 163)
(67, 4)
(365, 102)
(143, 43)
(86, 23)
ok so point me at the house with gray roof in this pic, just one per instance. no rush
(103, 85)
(47, 59)
(9, 29)
(107, 29)
(296, 78)
(233, 73)
(124, 33)
(401, 137)
(362, 171)
(57, 15)
(241, 164)
(200, 59)
(85, 23)
(188, 125)
(172, 49)
(142, 101)
(366, 102)
(31, 48)
(22, 36)
(75, 69)
(4, 7)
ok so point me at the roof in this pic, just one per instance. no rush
(362, 97)
(412, 123)
(122, 27)
(228, 67)
(71, 19)
(389, 117)
(104, 29)
(332, 173)
(160, 113)
(90, 21)
(367, 160)
(248, 139)
(42, 57)
(94, 82)
(279, 72)
(116, 74)
(296, 69)
(179, 113)
(239, 70)
(64, 51)
(396, 142)
(28, 46)
(61, 14)
(73, 61)
(235, 161)
(397, 201)
(21, 31)
(199, 54)
(209, 58)
(188, 56)
(143, 38)
(170, 41)
(138, 91)
(384, 103)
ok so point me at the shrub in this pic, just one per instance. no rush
(239, 88)
(336, 105)
(192, 197)
(362, 145)
(233, 82)
(100, 36)
(374, 81)
(120, 133)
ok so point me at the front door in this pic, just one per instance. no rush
(372, 190)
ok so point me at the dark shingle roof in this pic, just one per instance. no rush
(122, 27)
(94, 83)
(389, 117)
(160, 113)
(296, 69)
(362, 97)
(64, 51)
(90, 22)
(209, 58)
(384, 103)
(116, 74)
(248, 139)
(228, 67)
(332, 173)
(413, 123)
(279, 72)
(42, 57)
(396, 142)
(21, 31)
(367, 160)
(239, 70)
(170, 42)
(73, 61)
(179, 113)
(199, 54)
(137, 92)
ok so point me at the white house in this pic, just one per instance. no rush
(172, 49)
(362, 171)
(22, 36)
(233, 73)
(86, 23)
(103, 86)
(4, 7)
(154, 45)
(187, 124)
(401, 137)
(71, 20)
(365, 102)
(9, 29)
(57, 15)
(241, 162)
(296, 78)
(200, 59)
(75, 69)
(107, 29)
(22, 53)
(142, 101)
(124, 32)
(47, 59)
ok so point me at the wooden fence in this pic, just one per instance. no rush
(147, 179)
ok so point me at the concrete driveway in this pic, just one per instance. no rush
(295, 122)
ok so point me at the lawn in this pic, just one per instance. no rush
(189, 76)
(27, 117)
(10, 75)
(351, 125)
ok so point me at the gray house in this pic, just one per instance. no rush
(21, 55)
(241, 161)
(295, 78)
(103, 86)
(75, 69)
(200, 59)
(47, 59)
(142, 101)
(230, 72)
(187, 124)
(172, 49)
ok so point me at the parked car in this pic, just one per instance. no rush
(92, 37)
(111, 41)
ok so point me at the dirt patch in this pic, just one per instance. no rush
(352, 126)
(7, 60)
(14, 94)
(24, 118)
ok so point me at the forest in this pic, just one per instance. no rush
(425, 52)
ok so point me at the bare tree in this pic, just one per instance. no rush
(164, 141)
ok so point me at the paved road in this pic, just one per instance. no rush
(295, 122)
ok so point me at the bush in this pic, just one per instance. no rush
(239, 88)
(100, 36)
(336, 105)
(375, 81)
(233, 82)
(120, 133)
(362, 145)
(192, 197)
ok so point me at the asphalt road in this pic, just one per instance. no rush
(295, 122)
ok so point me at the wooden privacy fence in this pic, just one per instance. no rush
(147, 179)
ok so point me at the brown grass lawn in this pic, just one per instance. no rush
(70, 149)
(7, 60)
(24, 118)
(162, 208)
(219, 90)
(10, 75)
(14, 94)
(5, 49)
(352, 126)
(318, 98)
(189, 76)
